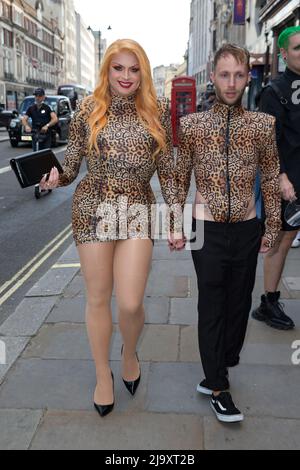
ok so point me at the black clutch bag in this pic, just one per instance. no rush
(30, 168)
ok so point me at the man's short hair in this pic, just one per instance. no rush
(241, 54)
(284, 37)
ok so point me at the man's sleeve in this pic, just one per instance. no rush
(50, 111)
(28, 112)
(270, 105)
(184, 164)
(166, 170)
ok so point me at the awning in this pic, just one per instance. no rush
(257, 59)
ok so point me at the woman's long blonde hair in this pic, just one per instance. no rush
(146, 99)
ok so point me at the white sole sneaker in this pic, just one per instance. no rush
(204, 390)
(228, 419)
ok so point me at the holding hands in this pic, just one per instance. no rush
(176, 241)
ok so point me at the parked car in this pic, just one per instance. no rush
(6, 116)
(59, 133)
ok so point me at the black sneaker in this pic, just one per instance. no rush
(271, 312)
(225, 409)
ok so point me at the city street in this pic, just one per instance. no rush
(200, 112)
(33, 232)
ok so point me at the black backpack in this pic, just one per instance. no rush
(282, 99)
(284, 102)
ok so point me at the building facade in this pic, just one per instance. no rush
(85, 54)
(200, 41)
(159, 79)
(163, 76)
(172, 72)
(100, 48)
(68, 16)
(223, 30)
(31, 52)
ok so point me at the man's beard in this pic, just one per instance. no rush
(39, 104)
(237, 102)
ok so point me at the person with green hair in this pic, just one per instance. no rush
(285, 35)
(282, 100)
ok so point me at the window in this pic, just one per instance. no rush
(18, 17)
(30, 27)
(48, 58)
(261, 3)
(31, 50)
(5, 64)
(215, 11)
(19, 66)
(63, 106)
(214, 41)
(6, 10)
(7, 38)
(48, 38)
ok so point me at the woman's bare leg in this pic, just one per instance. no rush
(132, 262)
(97, 267)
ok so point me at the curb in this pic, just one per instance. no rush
(20, 327)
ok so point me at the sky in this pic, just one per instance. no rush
(160, 26)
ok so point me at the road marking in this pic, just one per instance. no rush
(33, 269)
(18, 274)
(67, 265)
(33, 260)
(5, 169)
(62, 149)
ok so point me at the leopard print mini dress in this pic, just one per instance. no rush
(114, 200)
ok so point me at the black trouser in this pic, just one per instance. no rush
(44, 139)
(225, 268)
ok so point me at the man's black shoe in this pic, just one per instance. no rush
(271, 312)
(225, 409)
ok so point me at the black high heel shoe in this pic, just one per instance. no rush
(103, 410)
(132, 385)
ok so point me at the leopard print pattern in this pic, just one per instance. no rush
(252, 146)
(118, 177)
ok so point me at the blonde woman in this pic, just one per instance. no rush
(124, 132)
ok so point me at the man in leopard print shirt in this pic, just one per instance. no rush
(225, 147)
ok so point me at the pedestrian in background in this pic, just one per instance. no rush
(281, 100)
(42, 120)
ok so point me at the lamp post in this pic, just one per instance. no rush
(99, 33)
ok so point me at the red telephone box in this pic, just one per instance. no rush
(183, 101)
